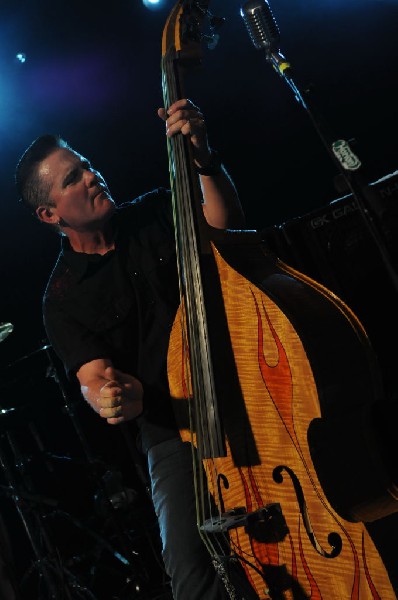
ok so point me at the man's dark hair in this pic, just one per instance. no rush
(30, 189)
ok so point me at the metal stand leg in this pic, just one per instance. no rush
(108, 550)
(30, 508)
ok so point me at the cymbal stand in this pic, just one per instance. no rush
(26, 503)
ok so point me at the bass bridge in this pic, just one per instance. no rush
(267, 524)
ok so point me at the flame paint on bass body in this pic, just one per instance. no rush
(312, 551)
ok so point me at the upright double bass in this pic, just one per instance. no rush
(273, 380)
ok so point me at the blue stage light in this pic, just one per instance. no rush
(153, 4)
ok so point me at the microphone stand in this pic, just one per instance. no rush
(348, 164)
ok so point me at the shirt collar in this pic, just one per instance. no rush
(79, 261)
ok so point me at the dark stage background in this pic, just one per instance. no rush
(92, 74)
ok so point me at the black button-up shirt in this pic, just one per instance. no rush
(121, 305)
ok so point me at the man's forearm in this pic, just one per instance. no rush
(222, 207)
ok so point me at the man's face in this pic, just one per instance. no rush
(79, 193)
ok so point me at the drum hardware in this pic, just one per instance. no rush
(28, 497)
(111, 491)
(17, 362)
(7, 411)
(54, 580)
(55, 571)
(39, 443)
(135, 581)
(5, 330)
(69, 406)
(102, 543)
(47, 562)
(112, 498)
(79, 592)
(104, 482)
(111, 533)
(117, 495)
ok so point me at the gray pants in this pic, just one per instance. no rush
(186, 559)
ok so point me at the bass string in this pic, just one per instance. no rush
(191, 297)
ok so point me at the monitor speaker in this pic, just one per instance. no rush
(335, 246)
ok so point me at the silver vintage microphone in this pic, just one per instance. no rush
(261, 25)
(264, 33)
